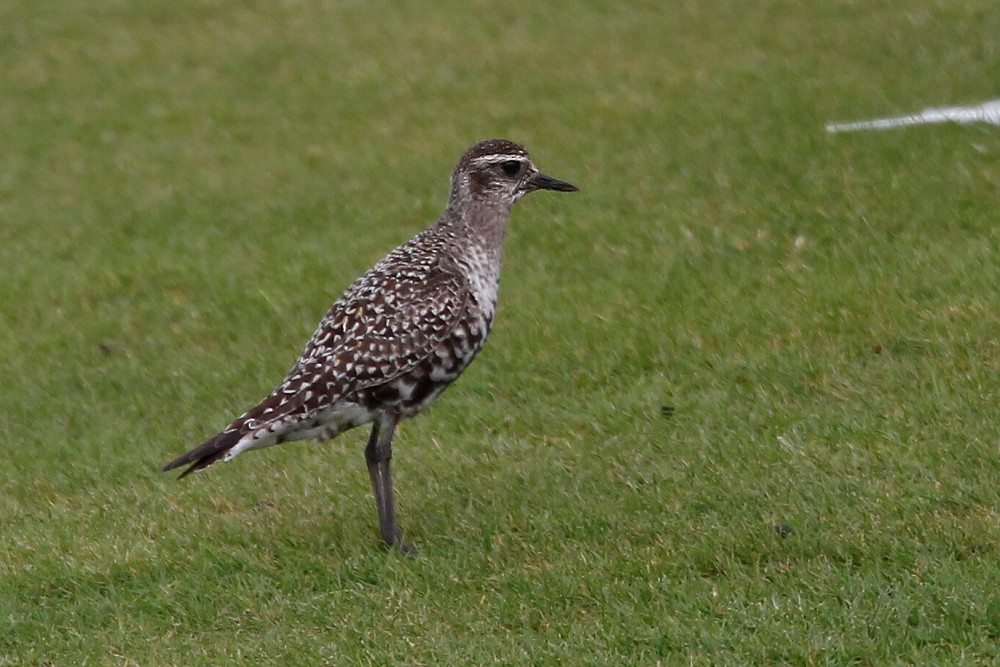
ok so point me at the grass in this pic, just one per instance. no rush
(184, 187)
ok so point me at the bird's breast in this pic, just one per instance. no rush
(482, 270)
(413, 390)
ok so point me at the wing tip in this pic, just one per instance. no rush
(204, 454)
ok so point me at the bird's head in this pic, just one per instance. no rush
(499, 172)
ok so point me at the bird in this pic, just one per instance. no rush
(400, 334)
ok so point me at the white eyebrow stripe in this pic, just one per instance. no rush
(498, 157)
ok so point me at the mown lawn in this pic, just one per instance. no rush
(739, 408)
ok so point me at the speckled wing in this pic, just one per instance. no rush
(389, 321)
(386, 323)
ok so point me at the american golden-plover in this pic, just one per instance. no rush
(401, 333)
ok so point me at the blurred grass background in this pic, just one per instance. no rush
(738, 408)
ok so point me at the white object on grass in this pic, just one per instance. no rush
(987, 112)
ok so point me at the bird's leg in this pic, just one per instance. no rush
(378, 454)
(371, 458)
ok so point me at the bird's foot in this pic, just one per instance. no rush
(407, 550)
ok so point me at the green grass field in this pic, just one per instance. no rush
(185, 187)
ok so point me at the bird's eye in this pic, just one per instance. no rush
(511, 167)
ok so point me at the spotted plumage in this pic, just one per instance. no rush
(401, 333)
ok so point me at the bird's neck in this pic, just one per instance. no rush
(476, 232)
(477, 224)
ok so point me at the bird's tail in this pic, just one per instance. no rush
(206, 453)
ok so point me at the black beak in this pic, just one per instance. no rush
(542, 182)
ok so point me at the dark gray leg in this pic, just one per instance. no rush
(378, 454)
